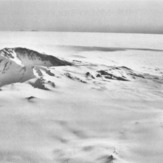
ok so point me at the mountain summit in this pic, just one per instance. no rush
(17, 64)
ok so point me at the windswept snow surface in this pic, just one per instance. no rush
(81, 98)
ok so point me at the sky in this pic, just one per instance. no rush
(127, 16)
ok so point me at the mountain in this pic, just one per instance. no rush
(40, 70)
(17, 64)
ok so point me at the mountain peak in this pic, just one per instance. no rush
(17, 64)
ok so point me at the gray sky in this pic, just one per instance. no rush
(143, 16)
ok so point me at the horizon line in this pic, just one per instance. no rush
(64, 31)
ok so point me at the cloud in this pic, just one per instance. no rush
(77, 15)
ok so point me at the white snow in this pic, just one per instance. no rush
(84, 113)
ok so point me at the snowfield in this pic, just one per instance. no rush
(81, 98)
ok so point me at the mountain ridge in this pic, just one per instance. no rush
(16, 64)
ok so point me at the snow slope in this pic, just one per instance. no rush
(96, 104)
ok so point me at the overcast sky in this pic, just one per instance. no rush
(143, 16)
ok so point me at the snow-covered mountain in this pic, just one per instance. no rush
(17, 64)
(40, 70)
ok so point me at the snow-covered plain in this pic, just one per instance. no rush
(100, 102)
